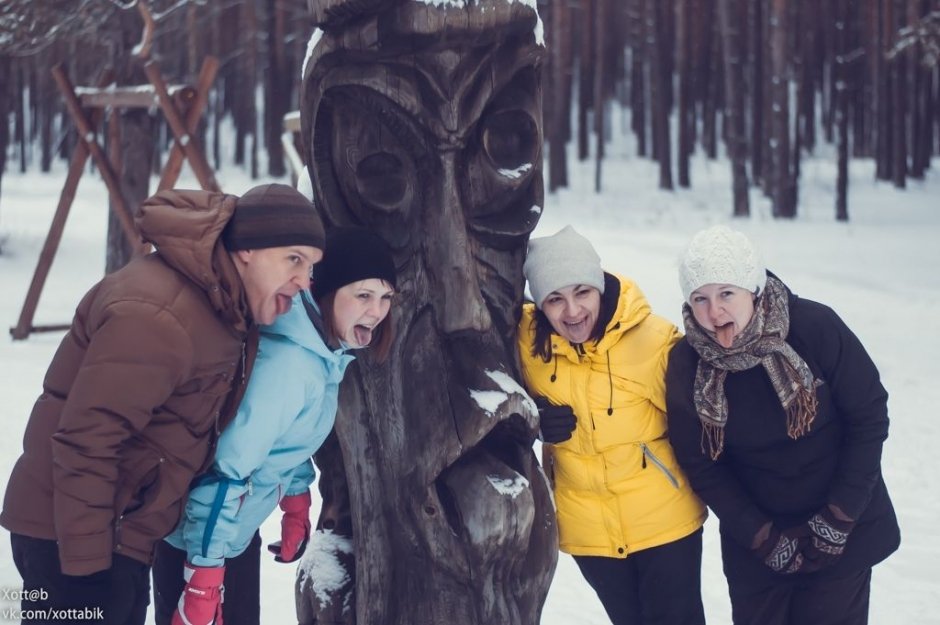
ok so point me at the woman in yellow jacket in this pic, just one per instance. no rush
(594, 357)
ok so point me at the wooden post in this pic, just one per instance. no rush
(291, 124)
(174, 162)
(184, 138)
(24, 326)
(169, 99)
(87, 134)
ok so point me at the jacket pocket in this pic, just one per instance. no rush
(650, 458)
(138, 471)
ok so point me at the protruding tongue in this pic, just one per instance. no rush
(725, 334)
(363, 335)
(283, 303)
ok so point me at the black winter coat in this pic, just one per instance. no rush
(763, 474)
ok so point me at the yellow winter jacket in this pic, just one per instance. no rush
(618, 487)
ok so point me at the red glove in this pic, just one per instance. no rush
(201, 601)
(295, 528)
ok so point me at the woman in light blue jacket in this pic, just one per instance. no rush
(263, 458)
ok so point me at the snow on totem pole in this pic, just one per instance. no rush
(423, 121)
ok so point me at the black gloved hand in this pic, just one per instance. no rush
(556, 423)
(828, 536)
(782, 551)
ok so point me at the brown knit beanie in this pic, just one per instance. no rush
(273, 215)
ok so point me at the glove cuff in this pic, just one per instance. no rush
(203, 576)
(296, 503)
(825, 525)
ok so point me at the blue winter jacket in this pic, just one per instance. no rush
(265, 454)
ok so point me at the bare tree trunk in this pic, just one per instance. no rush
(637, 77)
(277, 88)
(729, 19)
(683, 40)
(889, 81)
(660, 85)
(756, 21)
(811, 64)
(216, 108)
(585, 76)
(46, 115)
(134, 142)
(899, 115)
(6, 97)
(600, 72)
(840, 69)
(560, 129)
(914, 80)
(781, 195)
(19, 115)
(826, 18)
(710, 106)
(193, 37)
(251, 83)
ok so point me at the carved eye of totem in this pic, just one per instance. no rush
(372, 151)
(510, 139)
(382, 180)
(502, 156)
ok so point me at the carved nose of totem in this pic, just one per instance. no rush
(459, 304)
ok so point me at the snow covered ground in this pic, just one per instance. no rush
(880, 271)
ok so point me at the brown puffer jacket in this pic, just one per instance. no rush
(137, 392)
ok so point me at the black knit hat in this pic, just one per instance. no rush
(273, 215)
(352, 254)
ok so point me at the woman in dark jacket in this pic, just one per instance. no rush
(778, 417)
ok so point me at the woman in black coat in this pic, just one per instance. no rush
(777, 415)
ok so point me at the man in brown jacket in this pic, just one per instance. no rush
(148, 375)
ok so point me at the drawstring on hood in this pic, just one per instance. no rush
(610, 381)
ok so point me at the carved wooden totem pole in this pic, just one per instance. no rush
(423, 121)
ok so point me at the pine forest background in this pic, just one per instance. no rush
(760, 82)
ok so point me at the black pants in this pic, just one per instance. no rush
(118, 596)
(242, 598)
(657, 586)
(801, 600)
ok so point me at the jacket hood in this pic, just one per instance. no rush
(185, 227)
(631, 309)
(296, 326)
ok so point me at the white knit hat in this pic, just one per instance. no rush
(720, 255)
(564, 259)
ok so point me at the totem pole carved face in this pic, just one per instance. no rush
(424, 123)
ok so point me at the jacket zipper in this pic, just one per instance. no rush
(579, 350)
(218, 413)
(647, 453)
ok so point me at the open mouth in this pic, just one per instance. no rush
(363, 334)
(284, 303)
(577, 327)
(725, 334)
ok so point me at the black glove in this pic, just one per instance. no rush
(828, 536)
(556, 423)
(782, 551)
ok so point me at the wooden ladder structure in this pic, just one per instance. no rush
(182, 106)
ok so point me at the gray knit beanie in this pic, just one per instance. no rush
(563, 259)
(720, 255)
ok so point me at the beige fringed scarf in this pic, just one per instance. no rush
(761, 343)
